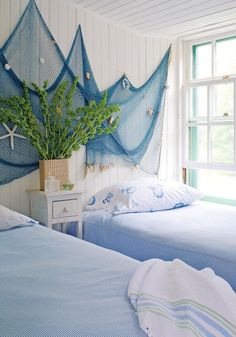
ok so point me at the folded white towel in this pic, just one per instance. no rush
(173, 299)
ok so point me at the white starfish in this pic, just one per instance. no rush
(11, 134)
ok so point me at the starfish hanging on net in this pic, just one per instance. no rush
(11, 134)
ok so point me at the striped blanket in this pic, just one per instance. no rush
(173, 299)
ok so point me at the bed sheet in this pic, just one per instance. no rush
(53, 285)
(202, 234)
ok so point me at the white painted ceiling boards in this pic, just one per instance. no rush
(169, 18)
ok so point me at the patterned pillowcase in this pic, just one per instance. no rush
(147, 195)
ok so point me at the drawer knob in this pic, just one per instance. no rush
(65, 210)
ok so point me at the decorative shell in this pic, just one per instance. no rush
(87, 75)
(125, 83)
(7, 66)
(103, 168)
(91, 167)
(110, 120)
(150, 111)
(41, 60)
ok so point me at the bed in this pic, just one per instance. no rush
(52, 284)
(202, 234)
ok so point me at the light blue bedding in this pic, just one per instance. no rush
(53, 285)
(202, 235)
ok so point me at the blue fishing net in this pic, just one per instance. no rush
(31, 54)
(140, 109)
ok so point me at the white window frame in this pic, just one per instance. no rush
(191, 83)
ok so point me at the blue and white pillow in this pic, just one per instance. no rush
(10, 219)
(147, 195)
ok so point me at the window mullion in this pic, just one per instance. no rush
(213, 58)
(191, 64)
(185, 145)
(211, 123)
(187, 54)
(209, 113)
(234, 116)
(208, 81)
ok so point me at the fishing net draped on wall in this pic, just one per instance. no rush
(31, 54)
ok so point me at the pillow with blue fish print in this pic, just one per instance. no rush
(147, 195)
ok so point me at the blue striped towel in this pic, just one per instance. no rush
(172, 299)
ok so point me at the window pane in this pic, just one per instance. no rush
(197, 136)
(202, 63)
(222, 142)
(220, 184)
(198, 104)
(225, 56)
(223, 101)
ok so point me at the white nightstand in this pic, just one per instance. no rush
(56, 208)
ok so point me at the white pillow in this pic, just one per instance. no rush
(147, 195)
(10, 219)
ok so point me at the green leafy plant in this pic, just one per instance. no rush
(63, 128)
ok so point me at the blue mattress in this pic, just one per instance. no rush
(53, 285)
(202, 235)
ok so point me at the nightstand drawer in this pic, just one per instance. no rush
(65, 208)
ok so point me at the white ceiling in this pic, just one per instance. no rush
(172, 18)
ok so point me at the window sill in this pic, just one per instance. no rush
(230, 202)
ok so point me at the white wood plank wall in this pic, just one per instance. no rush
(112, 50)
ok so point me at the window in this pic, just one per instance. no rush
(210, 123)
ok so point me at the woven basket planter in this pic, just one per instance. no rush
(59, 168)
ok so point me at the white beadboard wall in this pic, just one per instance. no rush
(113, 50)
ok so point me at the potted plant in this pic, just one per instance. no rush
(62, 128)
